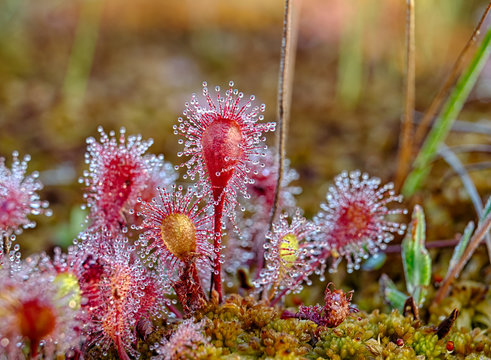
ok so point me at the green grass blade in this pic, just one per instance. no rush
(485, 211)
(459, 249)
(448, 115)
(81, 57)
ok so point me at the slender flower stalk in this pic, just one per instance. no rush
(222, 139)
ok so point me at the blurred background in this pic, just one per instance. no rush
(68, 66)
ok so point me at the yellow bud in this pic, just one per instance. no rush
(179, 235)
(289, 249)
(68, 288)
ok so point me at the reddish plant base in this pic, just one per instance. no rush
(36, 321)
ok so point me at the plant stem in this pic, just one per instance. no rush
(121, 351)
(287, 60)
(34, 349)
(449, 82)
(448, 115)
(453, 273)
(406, 136)
(217, 246)
(173, 310)
(436, 244)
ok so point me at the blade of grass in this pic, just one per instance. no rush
(81, 57)
(482, 126)
(486, 211)
(453, 273)
(406, 135)
(8, 10)
(350, 64)
(448, 115)
(478, 166)
(449, 82)
(470, 148)
(460, 248)
(455, 163)
(394, 296)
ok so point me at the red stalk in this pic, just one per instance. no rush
(34, 349)
(221, 151)
(121, 351)
(217, 279)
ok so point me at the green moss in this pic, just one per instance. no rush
(242, 328)
(474, 304)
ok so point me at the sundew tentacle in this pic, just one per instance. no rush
(244, 246)
(19, 197)
(175, 230)
(37, 312)
(174, 235)
(119, 292)
(120, 172)
(287, 256)
(353, 221)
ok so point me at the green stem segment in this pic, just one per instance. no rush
(447, 117)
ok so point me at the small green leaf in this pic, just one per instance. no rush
(392, 295)
(415, 258)
(66, 232)
(459, 249)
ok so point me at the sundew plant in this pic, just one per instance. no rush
(149, 242)
(203, 252)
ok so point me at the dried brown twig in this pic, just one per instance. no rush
(288, 46)
(406, 137)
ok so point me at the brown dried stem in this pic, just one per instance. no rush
(436, 244)
(288, 45)
(406, 138)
